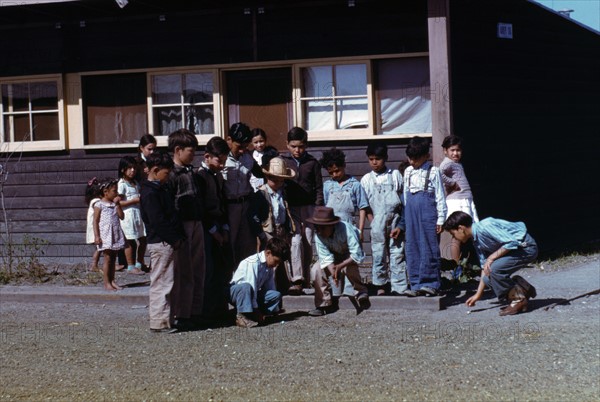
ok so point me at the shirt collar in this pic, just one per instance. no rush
(262, 257)
(386, 171)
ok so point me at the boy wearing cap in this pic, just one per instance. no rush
(272, 216)
(339, 250)
(239, 168)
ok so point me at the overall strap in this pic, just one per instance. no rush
(427, 179)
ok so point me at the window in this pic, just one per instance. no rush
(114, 108)
(183, 101)
(334, 97)
(403, 95)
(32, 114)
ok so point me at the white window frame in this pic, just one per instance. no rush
(162, 140)
(335, 134)
(31, 145)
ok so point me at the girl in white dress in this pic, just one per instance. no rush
(92, 196)
(133, 226)
(108, 235)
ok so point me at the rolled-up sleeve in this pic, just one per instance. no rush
(326, 257)
(354, 247)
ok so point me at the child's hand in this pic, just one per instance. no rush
(395, 233)
(117, 200)
(218, 238)
(472, 300)
(98, 241)
(438, 229)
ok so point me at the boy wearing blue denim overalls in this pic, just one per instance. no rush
(383, 187)
(346, 196)
(425, 212)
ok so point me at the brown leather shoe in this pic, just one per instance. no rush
(528, 287)
(295, 290)
(515, 307)
(242, 321)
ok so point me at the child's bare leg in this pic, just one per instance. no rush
(111, 271)
(95, 259)
(129, 252)
(455, 250)
(141, 250)
(108, 256)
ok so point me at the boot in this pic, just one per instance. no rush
(529, 289)
(518, 301)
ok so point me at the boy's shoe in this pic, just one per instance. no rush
(363, 301)
(321, 311)
(185, 324)
(409, 293)
(515, 307)
(242, 321)
(295, 290)
(530, 291)
(427, 291)
(164, 330)
(381, 292)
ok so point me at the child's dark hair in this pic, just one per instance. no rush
(106, 183)
(146, 139)
(240, 133)
(269, 153)
(217, 146)
(457, 219)
(125, 163)
(259, 132)
(92, 190)
(160, 159)
(378, 149)
(417, 147)
(182, 138)
(402, 166)
(297, 134)
(451, 140)
(279, 248)
(333, 157)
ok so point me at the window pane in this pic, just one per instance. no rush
(15, 96)
(44, 95)
(351, 79)
(352, 113)
(404, 95)
(200, 119)
(318, 115)
(167, 119)
(198, 88)
(318, 82)
(45, 127)
(18, 124)
(115, 108)
(166, 89)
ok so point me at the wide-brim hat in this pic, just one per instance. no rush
(323, 216)
(278, 168)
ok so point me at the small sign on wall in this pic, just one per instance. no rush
(505, 30)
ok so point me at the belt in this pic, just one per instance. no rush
(238, 200)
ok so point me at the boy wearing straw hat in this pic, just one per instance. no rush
(272, 216)
(339, 250)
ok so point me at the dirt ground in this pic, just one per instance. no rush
(106, 352)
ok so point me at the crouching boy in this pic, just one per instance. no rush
(252, 289)
(165, 235)
(339, 251)
(503, 248)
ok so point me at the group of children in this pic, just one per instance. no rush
(240, 228)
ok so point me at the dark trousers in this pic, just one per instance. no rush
(502, 268)
(422, 243)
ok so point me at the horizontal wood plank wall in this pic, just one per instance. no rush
(528, 108)
(45, 194)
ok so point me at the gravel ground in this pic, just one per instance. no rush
(106, 352)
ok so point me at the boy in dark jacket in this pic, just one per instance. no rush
(165, 235)
(304, 192)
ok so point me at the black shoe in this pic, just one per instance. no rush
(427, 291)
(185, 324)
(321, 311)
(363, 301)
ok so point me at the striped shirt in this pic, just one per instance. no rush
(414, 181)
(490, 234)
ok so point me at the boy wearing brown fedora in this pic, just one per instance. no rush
(339, 251)
(272, 216)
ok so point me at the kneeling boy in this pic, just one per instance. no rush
(252, 289)
(503, 248)
(339, 251)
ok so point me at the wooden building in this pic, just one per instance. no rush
(81, 81)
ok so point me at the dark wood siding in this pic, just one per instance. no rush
(45, 193)
(528, 109)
